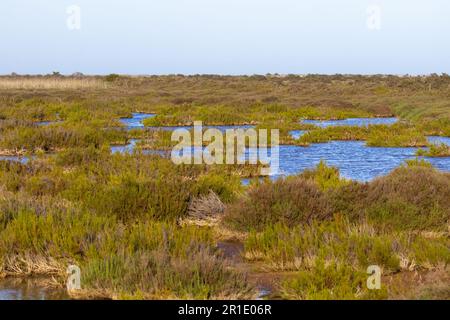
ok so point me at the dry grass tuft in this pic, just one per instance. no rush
(30, 264)
(207, 210)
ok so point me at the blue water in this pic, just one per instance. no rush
(358, 122)
(128, 148)
(44, 123)
(353, 158)
(439, 140)
(135, 122)
(131, 146)
(297, 133)
(14, 158)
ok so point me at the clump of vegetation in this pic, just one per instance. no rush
(226, 187)
(396, 135)
(345, 133)
(436, 127)
(53, 138)
(291, 201)
(325, 177)
(161, 261)
(412, 197)
(112, 77)
(441, 150)
(418, 163)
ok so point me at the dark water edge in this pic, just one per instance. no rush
(34, 288)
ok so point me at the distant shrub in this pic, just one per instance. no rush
(112, 77)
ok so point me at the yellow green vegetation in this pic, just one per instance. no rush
(412, 197)
(251, 114)
(441, 150)
(141, 227)
(326, 235)
(116, 216)
(396, 135)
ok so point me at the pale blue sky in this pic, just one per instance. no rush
(225, 37)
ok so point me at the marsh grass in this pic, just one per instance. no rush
(396, 135)
(437, 127)
(344, 133)
(441, 150)
(330, 258)
(121, 217)
(57, 137)
(340, 242)
(290, 201)
(146, 259)
(412, 197)
(329, 282)
(50, 83)
(254, 114)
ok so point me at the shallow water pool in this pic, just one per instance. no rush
(357, 122)
(135, 122)
(353, 158)
(30, 289)
(439, 140)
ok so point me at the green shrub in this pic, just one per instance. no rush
(410, 198)
(397, 135)
(112, 77)
(441, 150)
(129, 197)
(325, 177)
(292, 201)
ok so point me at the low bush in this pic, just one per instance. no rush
(291, 201)
(441, 150)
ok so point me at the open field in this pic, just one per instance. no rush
(51, 83)
(141, 227)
